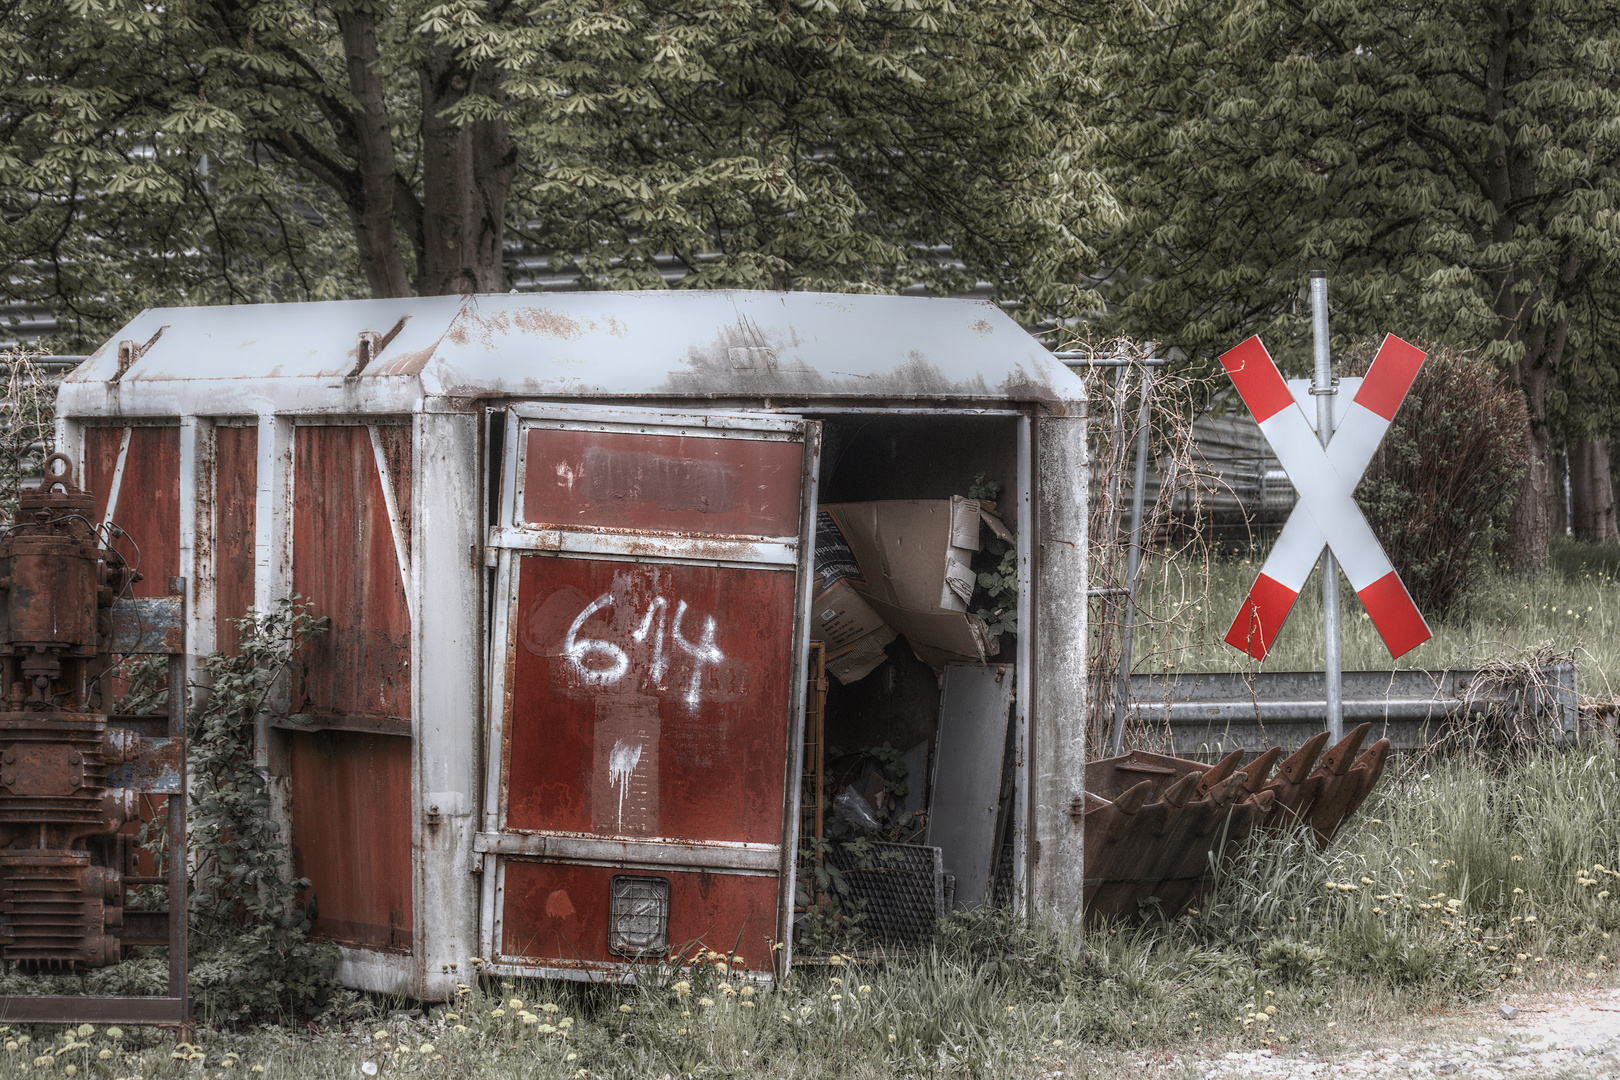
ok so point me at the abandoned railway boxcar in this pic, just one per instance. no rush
(567, 546)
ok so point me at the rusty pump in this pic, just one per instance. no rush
(63, 861)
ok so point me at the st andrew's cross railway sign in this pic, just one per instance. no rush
(1326, 513)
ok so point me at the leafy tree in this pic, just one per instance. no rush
(209, 149)
(1451, 163)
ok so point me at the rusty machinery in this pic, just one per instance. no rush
(1156, 825)
(70, 774)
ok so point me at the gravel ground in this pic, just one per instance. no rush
(1552, 1035)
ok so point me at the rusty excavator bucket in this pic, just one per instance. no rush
(1156, 825)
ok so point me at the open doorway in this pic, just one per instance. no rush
(910, 788)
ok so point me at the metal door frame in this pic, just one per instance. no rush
(509, 539)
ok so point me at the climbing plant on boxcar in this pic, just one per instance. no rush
(249, 921)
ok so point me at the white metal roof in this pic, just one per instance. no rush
(606, 345)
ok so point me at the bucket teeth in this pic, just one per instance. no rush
(1178, 793)
(1218, 772)
(1258, 771)
(1152, 847)
(1298, 764)
(1227, 790)
(1337, 760)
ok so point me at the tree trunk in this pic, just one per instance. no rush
(1529, 526)
(370, 144)
(1592, 491)
(467, 171)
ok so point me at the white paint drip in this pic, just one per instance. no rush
(622, 764)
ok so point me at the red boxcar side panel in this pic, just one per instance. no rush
(148, 508)
(344, 562)
(351, 811)
(662, 483)
(236, 473)
(649, 700)
(557, 913)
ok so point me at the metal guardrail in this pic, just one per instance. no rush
(1208, 714)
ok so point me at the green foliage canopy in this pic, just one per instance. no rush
(1451, 163)
(235, 150)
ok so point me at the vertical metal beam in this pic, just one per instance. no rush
(447, 716)
(178, 863)
(197, 540)
(272, 580)
(1127, 637)
(1322, 388)
(793, 781)
(1024, 674)
(1059, 734)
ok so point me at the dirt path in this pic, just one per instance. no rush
(1553, 1035)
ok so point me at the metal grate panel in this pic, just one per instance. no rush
(904, 890)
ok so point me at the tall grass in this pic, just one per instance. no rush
(1573, 608)
(1458, 878)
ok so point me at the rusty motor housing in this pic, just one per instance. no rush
(62, 857)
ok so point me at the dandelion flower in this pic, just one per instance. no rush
(835, 960)
(747, 991)
(1518, 892)
(11, 1044)
(865, 989)
(682, 988)
(891, 1036)
(625, 1009)
(1366, 881)
(497, 1013)
(1603, 895)
(529, 1019)
(515, 1003)
(380, 1035)
(835, 997)
(787, 1018)
(550, 1007)
(566, 1022)
(747, 1004)
(720, 966)
(461, 1027)
(726, 990)
(1057, 1042)
(71, 1070)
(257, 1069)
(104, 1054)
(425, 1048)
(706, 1002)
(571, 1057)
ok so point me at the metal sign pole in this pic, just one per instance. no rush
(1116, 741)
(1322, 388)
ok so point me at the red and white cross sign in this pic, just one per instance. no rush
(1326, 513)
